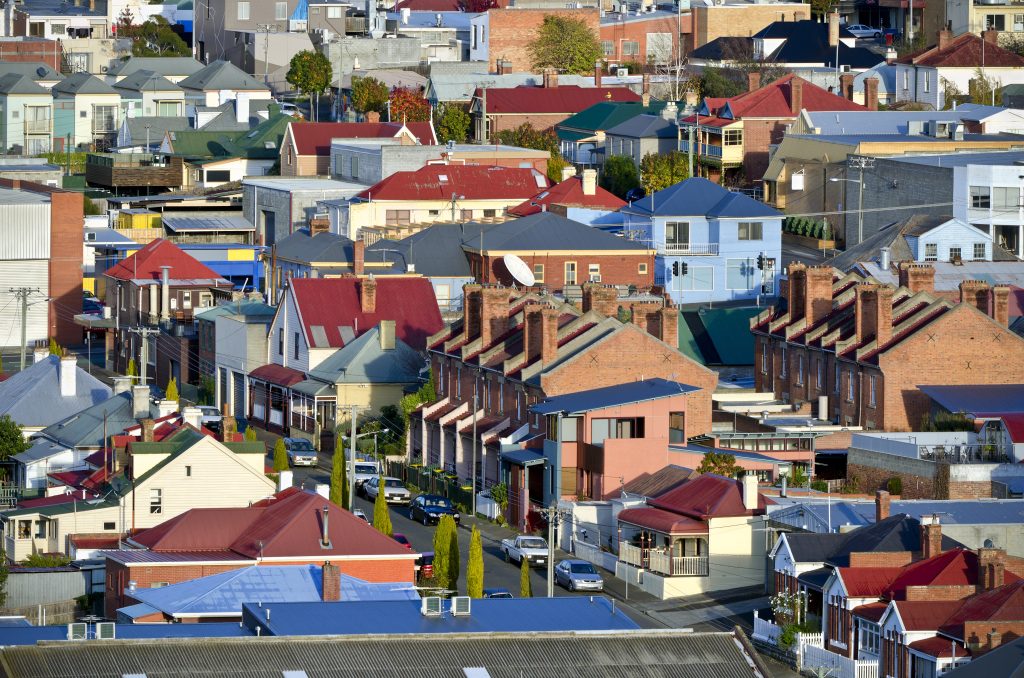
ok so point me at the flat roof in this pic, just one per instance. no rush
(287, 184)
(10, 196)
(962, 159)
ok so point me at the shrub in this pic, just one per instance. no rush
(788, 636)
(816, 230)
(819, 486)
(895, 485)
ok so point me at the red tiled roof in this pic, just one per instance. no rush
(965, 51)
(871, 611)
(278, 374)
(564, 99)
(938, 647)
(1005, 603)
(314, 138)
(332, 303)
(774, 100)
(663, 521)
(468, 182)
(145, 265)
(708, 495)
(926, 615)
(864, 582)
(569, 192)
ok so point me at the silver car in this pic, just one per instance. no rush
(861, 31)
(300, 452)
(578, 575)
(394, 490)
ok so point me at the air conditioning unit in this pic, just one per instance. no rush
(621, 72)
(595, 278)
(105, 630)
(78, 631)
(461, 606)
(431, 606)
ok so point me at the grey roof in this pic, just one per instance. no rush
(41, 448)
(659, 482)
(1006, 660)
(435, 251)
(32, 397)
(884, 73)
(9, 196)
(964, 158)
(82, 83)
(645, 126)
(363, 361)
(157, 126)
(220, 75)
(816, 578)
(145, 81)
(699, 197)
(896, 533)
(227, 121)
(888, 122)
(978, 399)
(246, 308)
(546, 231)
(612, 396)
(200, 221)
(14, 83)
(949, 276)
(36, 70)
(162, 65)
(610, 654)
(84, 428)
(324, 247)
(891, 236)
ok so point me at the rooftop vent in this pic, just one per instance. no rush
(430, 606)
(105, 631)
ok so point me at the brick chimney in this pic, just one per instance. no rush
(846, 86)
(873, 312)
(810, 292)
(319, 225)
(1001, 304)
(796, 95)
(504, 67)
(943, 39)
(228, 426)
(975, 293)
(598, 72)
(471, 301)
(147, 430)
(753, 81)
(601, 298)
(358, 257)
(871, 94)
(881, 505)
(368, 295)
(540, 330)
(494, 320)
(991, 568)
(931, 537)
(667, 324)
(990, 36)
(917, 277)
(995, 639)
(550, 77)
(373, 116)
(330, 582)
(645, 84)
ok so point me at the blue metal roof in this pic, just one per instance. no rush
(487, 615)
(738, 454)
(978, 399)
(699, 197)
(31, 635)
(814, 515)
(612, 396)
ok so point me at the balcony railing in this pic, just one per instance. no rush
(689, 249)
(37, 126)
(662, 562)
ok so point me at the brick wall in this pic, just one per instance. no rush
(512, 31)
(757, 136)
(740, 20)
(539, 122)
(977, 632)
(939, 592)
(35, 50)
(881, 559)
(617, 32)
(65, 262)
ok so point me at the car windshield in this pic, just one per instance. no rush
(302, 446)
(366, 469)
(393, 482)
(582, 568)
(437, 502)
(532, 543)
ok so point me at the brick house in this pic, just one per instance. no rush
(510, 351)
(306, 147)
(293, 527)
(732, 136)
(867, 347)
(649, 37)
(505, 34)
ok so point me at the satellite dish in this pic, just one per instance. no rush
(521, 273)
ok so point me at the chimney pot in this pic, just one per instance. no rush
(598, 72)
(931, 537)
(881, 505)
(40, 354)
(601, 298)
(975, 293)
(373, 116)
(589, 182)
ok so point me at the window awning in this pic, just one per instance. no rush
(525, 457)
(312, 387)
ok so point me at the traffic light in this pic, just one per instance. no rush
(685, 267)
(760, 262)
(675, 268)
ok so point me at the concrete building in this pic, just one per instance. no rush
(739, 19)
(278, 206)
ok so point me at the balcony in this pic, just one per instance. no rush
(116, 170)
(714, 154)
(662, 562)
(686, 249)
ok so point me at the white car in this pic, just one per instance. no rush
(358, 513)
(394, 491)
(862, 31)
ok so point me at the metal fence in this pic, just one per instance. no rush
(36, 586)
(429, 481)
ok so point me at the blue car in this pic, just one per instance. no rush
(428, 509)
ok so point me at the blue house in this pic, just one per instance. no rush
(709, 242)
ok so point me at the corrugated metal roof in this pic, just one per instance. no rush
(613, 396)
(978, 399)
(33, 397)
(204, 222)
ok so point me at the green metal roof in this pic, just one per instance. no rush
(718, 336)
(570, 135)
(607, 114)
(262, 141)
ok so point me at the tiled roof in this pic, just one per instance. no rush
(562, 99)
(939, 647)
(867, 582)
(662, 521)
(1005, 603)
(326, 305)
(708, 496)
(965, 51)
(569, 193)
(775, 100)
(314, 138)
(467, 182)
(926, 615)
(145, 265)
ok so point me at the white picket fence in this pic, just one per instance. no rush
(812, 657)
(766, 631)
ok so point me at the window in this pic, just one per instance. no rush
(354, 167)
(677, 234)
(281, 11)
(906, 79)
(927, 83)
(24, 529)
(218, 175)
(57, 29)
(630, 48)
(1018, 22)
(751, 230)
(280, 342)
(764, 357)
(295, 346)
(570, 273)
(980, 197)
(955, 254)
(696, 279)
(931, 251)
(732, 137)
(820, 381)
(334, 12)
(849, 386)
(104, 118)
(641, 269)
(594, 272)
(1005, 198)
(170, 109)
(490, 214)
(838, 378)
(156, 501)
(243, 11)
(783, 363)
(995, 22)
(109, 526)
(36, 29)
(979, 251)
(869, 638)
(186, 300)
(740, 274)
(188, 471)
(603, 429)
(608, 47)
(397, 217)
(872, 393)
(83, 114)
(538, 273)
(800, 370)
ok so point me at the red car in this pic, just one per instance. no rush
(401, 539)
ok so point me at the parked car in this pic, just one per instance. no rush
(364, 471)
(497, 593)
(402, 539)
(578, 575)
(534, 549)
(394, 490)
(428, 509)
(300, 452)
(358, 513)
(862, 31)
(425, 566)
(211, 418)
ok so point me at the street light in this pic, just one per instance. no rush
(860, 204)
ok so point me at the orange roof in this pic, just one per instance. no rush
(570, 194)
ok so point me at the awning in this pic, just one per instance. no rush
(663, 521)
(815, 579)
(312, 387)
(525, 457)
(569, 135)
(278, 375)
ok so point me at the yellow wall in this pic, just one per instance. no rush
(368, 398)
(146, 220)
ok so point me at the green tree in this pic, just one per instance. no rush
(442, 544)
(12, 441)
(722, 463)
(171, 392)
(556, 163)
(475, 566)
(381, 515)
(309, 72)
(525, 590)
(983, 89)
(46, 560)
(525, 136)
(369, 94)
(55, 348)
(90, 208)
(452, 123)
(718, 83)
(154, 38)
(250, 434)
(280, 456)
(619, 175)
(454, 567)
(822, 8)
(3, 577)
(567, 44)
(339, 474)
(132, 370)
(658, 171)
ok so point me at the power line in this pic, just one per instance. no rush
(23, 293)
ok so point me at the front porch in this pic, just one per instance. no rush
(667, 555)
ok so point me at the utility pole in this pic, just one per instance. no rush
(860, 163)
(552, 516)
(144, 333)
(475, 406)
(24, 293)
(352, 461)
(266, 29)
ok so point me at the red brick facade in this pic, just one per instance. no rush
(512, 31)
(617, 33)
(32, 49)
(612, 268)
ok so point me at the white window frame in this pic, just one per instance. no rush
(242, 11)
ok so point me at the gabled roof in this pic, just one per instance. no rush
(956, 567)
(547, 231)
(926, 615)
(14, 83)
(157, 125)
(562, 99)
(221, 75)
(33, 397)
(1005, 660)
(85, 428)
(162, 65)
(324, 247)
(605, 115)
(708, 496)
(659, 482)
(645, 127)
(145, 81)
(893, 534)
(1002, 604)
(867, 582)
(663, 521)
(145, 265)
(570, 194)
(436, 251)
(466, 182)
(326, 305)
(806, 42)
(612, 396)
(82, 83)
(965, 51)
(261, 142)
(699, 197)
(363, 361)
(35, 70)
(314, 138)
(775, 100)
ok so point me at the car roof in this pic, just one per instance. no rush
(433, 496)
(577, 561)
